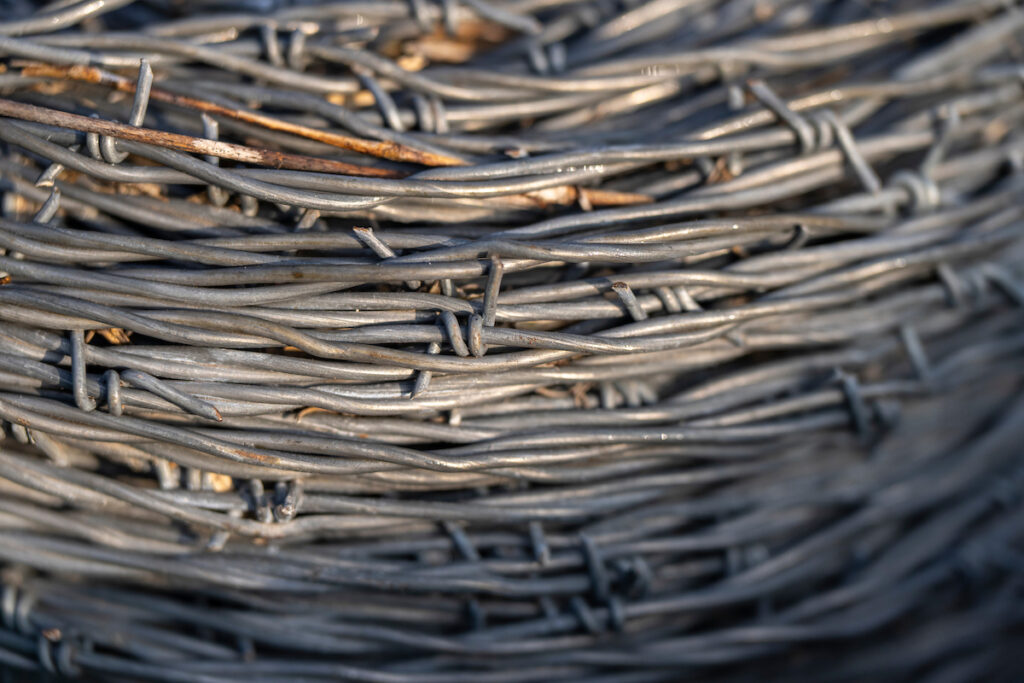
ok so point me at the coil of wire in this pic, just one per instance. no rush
(511, 340)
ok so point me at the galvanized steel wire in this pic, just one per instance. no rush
(521, 340)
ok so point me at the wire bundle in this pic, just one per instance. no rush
(531, 340)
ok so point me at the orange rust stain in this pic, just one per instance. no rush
(264, 459)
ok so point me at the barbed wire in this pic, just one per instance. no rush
(511, 341)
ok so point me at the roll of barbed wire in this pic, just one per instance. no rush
(503, 341)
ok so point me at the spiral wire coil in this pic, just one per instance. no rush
(511, 340)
